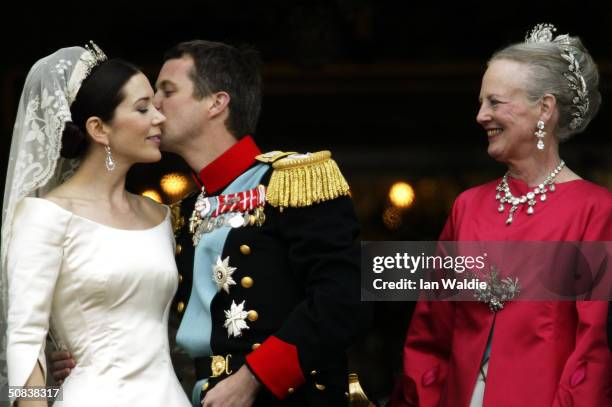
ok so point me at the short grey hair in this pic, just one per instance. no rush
(546, 68)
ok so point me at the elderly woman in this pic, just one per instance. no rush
(534, 95)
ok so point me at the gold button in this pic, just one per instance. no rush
(244, 249)
(313, 373)
(246, 282)
(252, 315)
(320, 386)
(205, 386)
(180, 278)
(255, 346)
(178, 250)
(180, 306)
(290, 390)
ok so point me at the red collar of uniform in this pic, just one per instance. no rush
(228, 166)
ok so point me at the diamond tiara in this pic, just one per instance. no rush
(545, 33)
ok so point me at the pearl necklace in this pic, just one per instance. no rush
(505, 196)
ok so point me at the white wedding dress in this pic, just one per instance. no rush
(107, 293)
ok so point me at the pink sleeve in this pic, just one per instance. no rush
(428, 345)
(586, 378)
(587, 375)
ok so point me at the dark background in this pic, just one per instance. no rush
(391, 87)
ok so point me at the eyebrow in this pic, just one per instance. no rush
(145, 98)
(165, 82)
(490, 96)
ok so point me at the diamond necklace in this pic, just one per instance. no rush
(505, 196)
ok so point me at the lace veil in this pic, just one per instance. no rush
(35, 166)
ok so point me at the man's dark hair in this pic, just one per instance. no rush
(221, 67)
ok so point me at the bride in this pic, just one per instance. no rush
(84, 258)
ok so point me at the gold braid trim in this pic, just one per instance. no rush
(178, 221)
(304, 181)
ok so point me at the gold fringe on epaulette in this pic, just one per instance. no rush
(299, 182)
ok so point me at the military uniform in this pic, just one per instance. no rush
(270, 275)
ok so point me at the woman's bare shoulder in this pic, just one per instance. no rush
(152, 209)
(61, 197)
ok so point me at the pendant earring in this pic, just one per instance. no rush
(540, 135)
(110, 163)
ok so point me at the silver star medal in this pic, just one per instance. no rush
(222, 274)
(235, 320)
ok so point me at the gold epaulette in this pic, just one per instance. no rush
(300, 180)
(273, 156)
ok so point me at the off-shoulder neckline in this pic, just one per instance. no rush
(102, 224)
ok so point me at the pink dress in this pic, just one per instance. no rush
(541, 353)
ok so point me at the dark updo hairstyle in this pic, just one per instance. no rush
(100, 94)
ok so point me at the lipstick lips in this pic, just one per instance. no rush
(156, 138)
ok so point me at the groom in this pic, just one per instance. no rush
(269, 294)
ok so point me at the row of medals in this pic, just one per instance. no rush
(199, 225)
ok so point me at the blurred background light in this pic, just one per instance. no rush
(401, 195)
(174, 185)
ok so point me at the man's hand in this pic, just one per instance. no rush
(62, 365)
(238, 390)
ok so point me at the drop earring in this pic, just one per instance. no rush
(540, 135)
(110, 163)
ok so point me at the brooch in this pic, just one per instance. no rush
(497, 291)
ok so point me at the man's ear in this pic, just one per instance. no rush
(219, 104)
(98, 130)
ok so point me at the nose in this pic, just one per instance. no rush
(157, 98)
(483, 115)
(158, 118)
